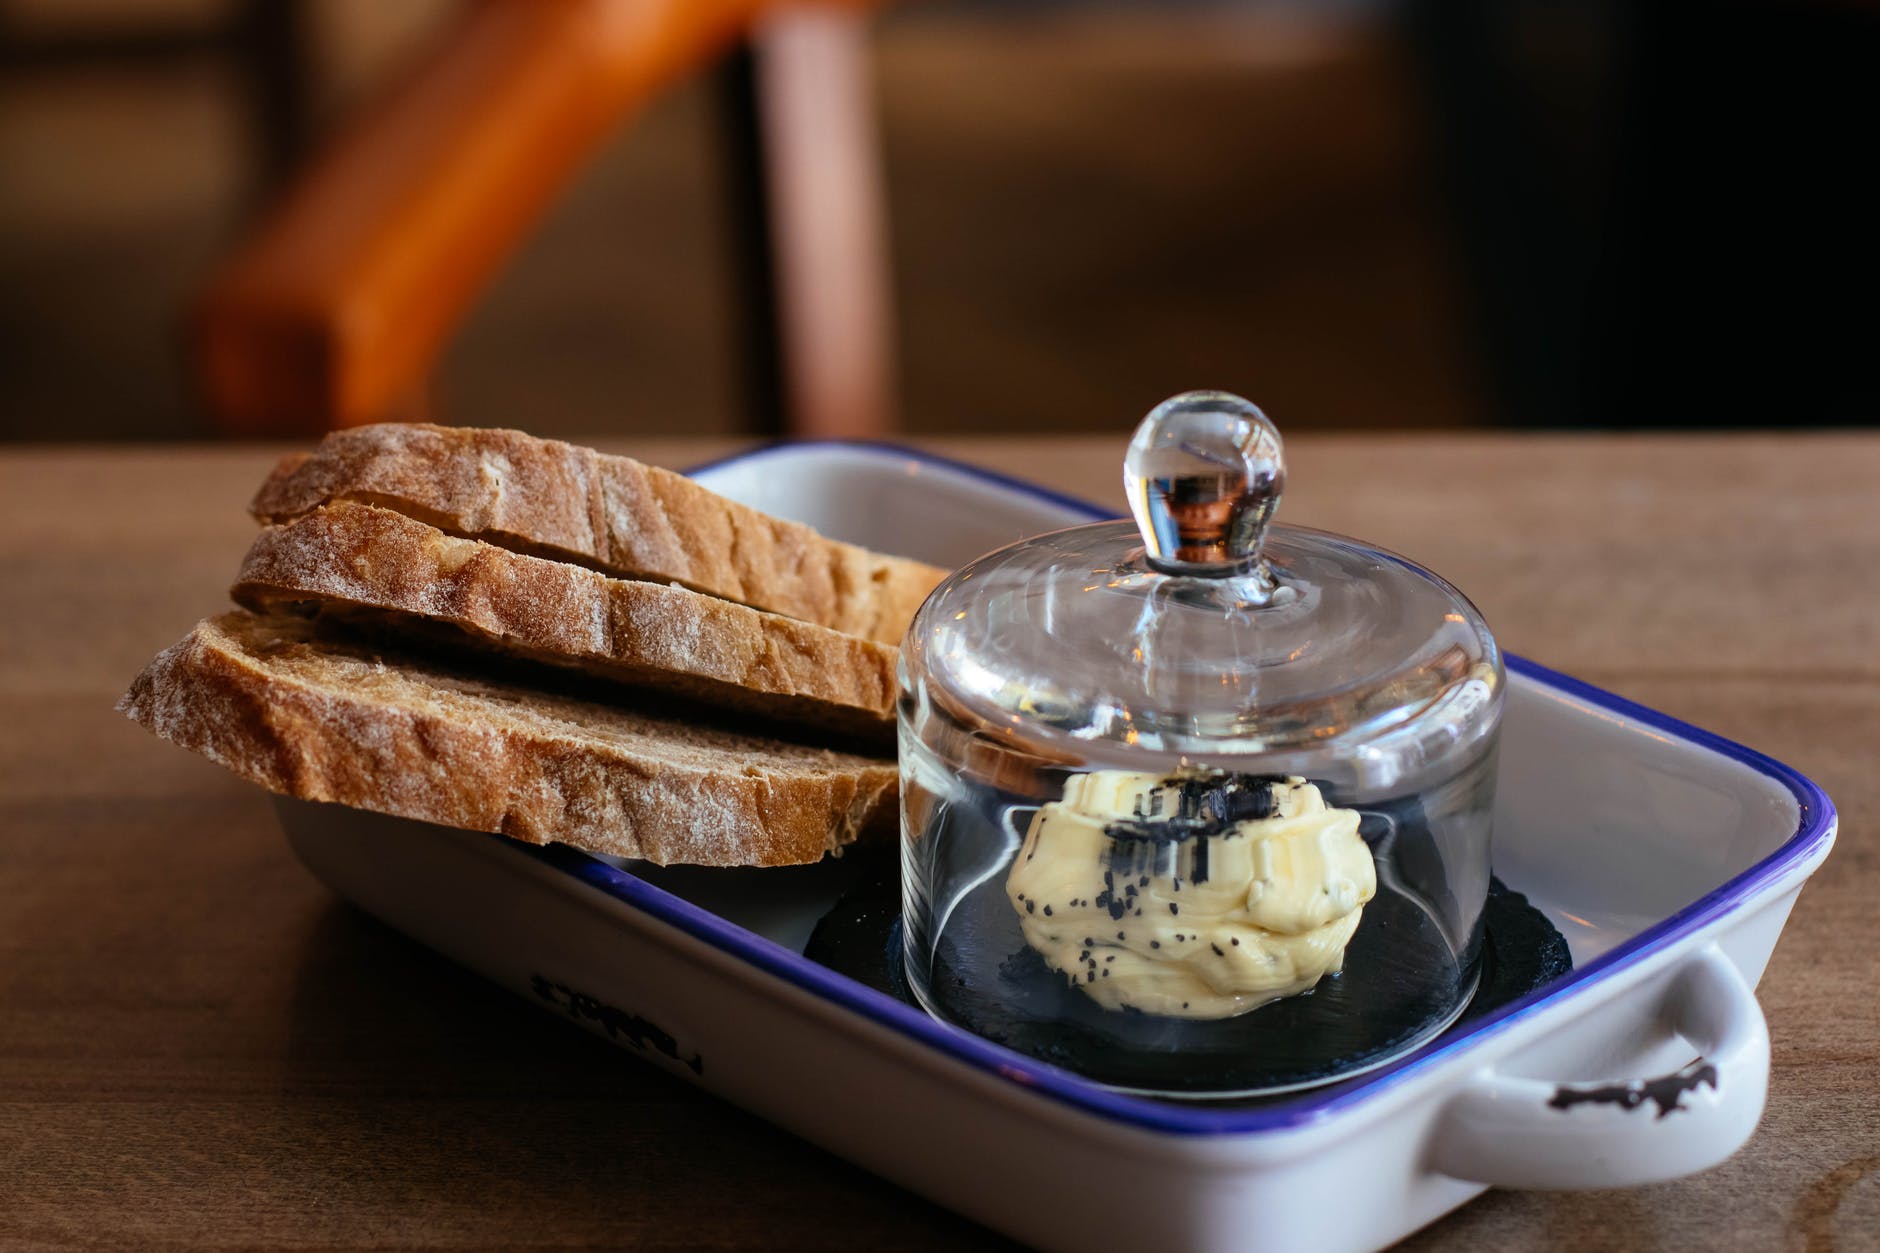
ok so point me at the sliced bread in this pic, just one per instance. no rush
(637, 521)
(276, 702)
(354, 562)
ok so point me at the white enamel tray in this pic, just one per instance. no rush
(1668, 857)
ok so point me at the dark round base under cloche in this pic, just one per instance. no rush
(1348, 1024)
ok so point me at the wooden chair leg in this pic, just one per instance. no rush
(828, 222)
(753, 266)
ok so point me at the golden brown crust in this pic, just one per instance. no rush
(347, 559)
(320, 720)
(616, 514)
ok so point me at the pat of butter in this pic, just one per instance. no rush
(1191, 895)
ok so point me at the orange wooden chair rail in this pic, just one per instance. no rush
(332, 313)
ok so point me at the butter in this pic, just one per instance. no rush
(1191, 895)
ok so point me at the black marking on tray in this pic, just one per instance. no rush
(1666, 1091)
(620, 1026)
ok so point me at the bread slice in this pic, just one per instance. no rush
(637, 521)
(330, 721)
(356, 562)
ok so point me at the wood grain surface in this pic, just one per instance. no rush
(199, 1046)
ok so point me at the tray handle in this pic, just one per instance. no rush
(1529, 1133)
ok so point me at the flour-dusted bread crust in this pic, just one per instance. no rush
(322, 720)
(354, 562)
(574, 504)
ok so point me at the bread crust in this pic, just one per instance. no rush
(346, 561)
(324, 720)
(618, 515)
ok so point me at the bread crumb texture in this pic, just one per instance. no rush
(346, 558)
(322, 720)
(574, 504)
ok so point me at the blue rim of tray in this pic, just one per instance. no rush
(1814, 827)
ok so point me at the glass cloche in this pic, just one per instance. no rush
(1198, 806)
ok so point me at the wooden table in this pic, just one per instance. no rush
(199, 1045)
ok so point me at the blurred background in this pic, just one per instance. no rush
(220, 216)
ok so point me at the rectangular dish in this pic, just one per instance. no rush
(1668, 857)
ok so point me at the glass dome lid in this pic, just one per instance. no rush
(1203, 633)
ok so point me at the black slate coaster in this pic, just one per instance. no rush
(1303, 1040)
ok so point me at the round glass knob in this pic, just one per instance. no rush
(1204, 473)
